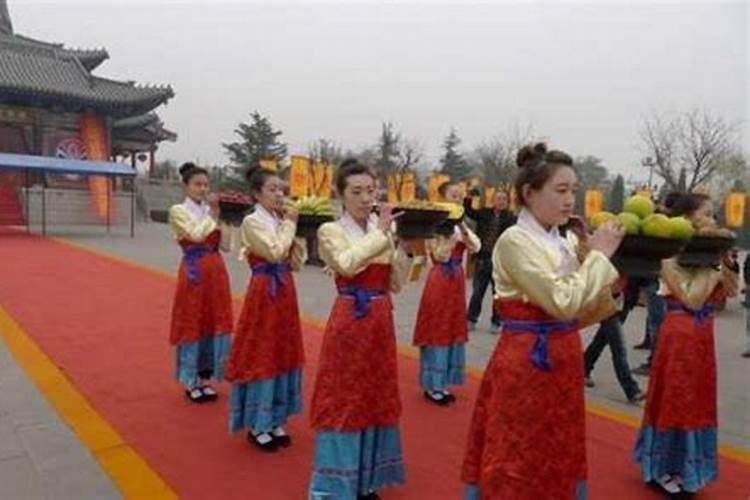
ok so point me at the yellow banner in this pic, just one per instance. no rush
(734, 210)
(435, 181)
(401, 188)
(408, 188)
(299, 177)
(489, 197)
(594, 202)
(321, 179)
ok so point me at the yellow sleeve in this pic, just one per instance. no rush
(522, 264)
(346, 258)
(185, 226)
(299, 253)
(273, 246)
(693, 287)
(440, 247)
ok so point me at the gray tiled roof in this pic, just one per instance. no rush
(90, 58)
(147, 125)
(49, 74)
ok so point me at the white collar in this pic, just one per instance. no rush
(270, 220)
(567, 261)
(352, 227)
(197, 210)
(527, 221)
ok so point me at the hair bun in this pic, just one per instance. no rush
(531, 154)
(186, 168)
(250, 172)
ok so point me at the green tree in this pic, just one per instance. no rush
(166, 169)
(452, 162)
(591, 174)
(258, 140)
(616, 198)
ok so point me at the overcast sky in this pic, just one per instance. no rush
(584, 74)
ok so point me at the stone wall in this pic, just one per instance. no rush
(72, 206)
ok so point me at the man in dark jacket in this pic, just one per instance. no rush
(491, 223)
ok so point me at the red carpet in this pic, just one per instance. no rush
(105, 324)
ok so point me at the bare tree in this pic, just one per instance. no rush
(496, 157)
(688, 149)
(395, 155)
(325, 151)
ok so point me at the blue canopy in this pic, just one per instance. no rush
(63, 166)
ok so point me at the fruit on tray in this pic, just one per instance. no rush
(600, 218)
(631, 222)
(315, 205)
(682, 228)
(455, 210)
(235, 197)
(421, 205)
(642, 206)
(639, 218)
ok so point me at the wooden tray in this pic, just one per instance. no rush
(641, 256)
(705, 251)
(308, 224)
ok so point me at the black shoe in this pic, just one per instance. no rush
(450, 397)
(437, 398)
(209, 393)
(195, 395)
(643, 346)
(269, 446)
(284, 441)
(643, 370)
(637, 397)
(746, 354)
(369, 496)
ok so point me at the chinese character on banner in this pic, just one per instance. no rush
(734, 210)
(435, 181)
(299, 176)
(593, 203)
(408, 187)
(321, 179)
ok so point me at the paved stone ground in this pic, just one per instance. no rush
(40, 457)
(37, 450)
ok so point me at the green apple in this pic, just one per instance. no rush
(682, 228)
(657, 226)
(639, 205)
(631, 222)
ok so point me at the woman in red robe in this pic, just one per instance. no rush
(355, 405)
(527, 438)
(202, 310)
(265, 365)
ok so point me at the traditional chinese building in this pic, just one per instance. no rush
(52, 104)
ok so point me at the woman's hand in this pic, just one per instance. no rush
(290, 211)
(607, 238)
(213, 204)
(387, 217)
